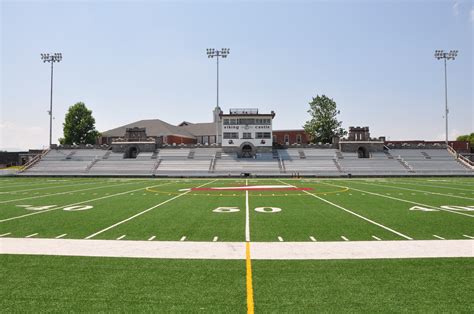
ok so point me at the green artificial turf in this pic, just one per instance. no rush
(93, 284)
(365, 286)
(86, 284)
(168, 213)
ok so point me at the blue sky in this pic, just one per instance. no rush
(146, 59)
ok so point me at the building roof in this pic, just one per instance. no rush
(154, 127)
(199, 129)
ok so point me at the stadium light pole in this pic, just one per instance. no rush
(51, 58)
(211, 53)
(440, 54)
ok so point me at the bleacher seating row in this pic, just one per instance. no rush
(214, 162)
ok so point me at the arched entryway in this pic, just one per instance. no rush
(362, 152)
(247, 150)
(132, 152)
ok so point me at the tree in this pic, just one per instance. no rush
(79, 126)
(323, 124)
(468, 137)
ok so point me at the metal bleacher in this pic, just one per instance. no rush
(378, 163)
(215, 162)
(263, 164)
(431, 161)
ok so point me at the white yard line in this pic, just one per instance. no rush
(247, 214)
(419, 191)
(5, 234)
(60, 236)
(79, 203)
(280, 239)
(143, 212)
(376, 238)
(312, 239)
(344, 238)
(401, 200)
(121, 237)
(438, 237)
(182, 239)
(31, 235)
(66, 192)
(358, 215)
(215, 239)
(151, 238)
(236, 250)
(468, 236)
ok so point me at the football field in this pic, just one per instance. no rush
(216, 210)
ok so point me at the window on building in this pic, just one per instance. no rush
(263, 135)
(275, 139)
(247, 121)
(298, 138)
(226, 121)
(231, 135)
(247, 136)
(287, 139)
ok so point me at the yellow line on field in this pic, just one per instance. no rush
(250, 305)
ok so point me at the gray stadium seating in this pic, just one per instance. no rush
(214, 162)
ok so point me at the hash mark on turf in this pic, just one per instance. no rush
(215, 239)
(60, 236)
(344, 238)
(280, 239)
(312, 238)
(438, 237)
(183, 238)
(5, 234)
(31, 235)
(151, 239)
(376, 238)
(121, 237)
(467, 236)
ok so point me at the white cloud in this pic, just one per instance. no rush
(472, 14)
(456, 8)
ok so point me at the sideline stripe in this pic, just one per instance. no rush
(344, 238)
(248, 263)
(79, 203)
(402, 200)
(31, 235)
(312, 239)
(438, 237)
(430, 186)
(464, 235)
(121, 237)
(183, 238)
(49, 187)
(60, 236)
(376, 238)
(280, 239)
(151, 239)
(142, 212)
(215, 239)
(5, 234)
(419, 191)
(66, 192)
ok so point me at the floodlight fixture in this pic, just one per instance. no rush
(223, 53)
(451, 55)
(51, 58)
